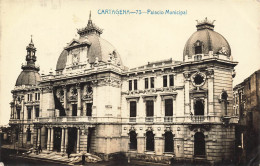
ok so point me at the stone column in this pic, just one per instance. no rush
(79, 100)
(191, 106)
(158, 145)
(35, 134)
(66, 139)
(140, 144)
(210, 76)
(52, 136)
(49, 138)
(62, 140)
(174, 106)
(95, 101)
(33, 112)
(65, 99)
(187, 92)
(78, 135)
(84, 140)
(206, 107)
(38, 137)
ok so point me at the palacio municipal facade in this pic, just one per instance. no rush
(162, 110)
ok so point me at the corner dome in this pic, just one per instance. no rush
(28, 77)
(206, 38)
(29, 74)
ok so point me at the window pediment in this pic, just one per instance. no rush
(149, 97)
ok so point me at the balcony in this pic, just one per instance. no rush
(168, 119)
(132, 119)
(149, 119)
(65, 119)
(197, 118)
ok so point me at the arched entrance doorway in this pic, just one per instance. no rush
(199, 144)
(72, 139)
(149, 141)
(198, 107)
(57, 139)
(133, 140)
(168, 142)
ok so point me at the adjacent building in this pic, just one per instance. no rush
(162, 110)
(247, 107)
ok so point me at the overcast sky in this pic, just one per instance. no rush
(138, 38)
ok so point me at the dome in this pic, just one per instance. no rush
(28, 77)
(206, 38)
(98, 48)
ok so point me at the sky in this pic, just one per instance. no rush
(139, 38)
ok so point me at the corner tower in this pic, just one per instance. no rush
(206, 43)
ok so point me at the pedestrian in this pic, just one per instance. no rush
(39, 148)
(83, 159)
(68, 151)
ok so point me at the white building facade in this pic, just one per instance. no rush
(156, 112)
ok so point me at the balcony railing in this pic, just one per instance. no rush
(132, 119)
(197, 118)
(149, 119)
(168, 119)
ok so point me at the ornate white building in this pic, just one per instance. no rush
(162, 110)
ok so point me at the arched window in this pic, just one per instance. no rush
(149, 141)
(133, 140)
(198, 107)
(199, 144)
(224, 101)
(168, 142)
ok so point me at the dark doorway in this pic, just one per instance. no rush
(72, 139)
(74, 109)
(149, 141)
(133, 140)
(199, 107)
(168, 144)
(57, 139)
(90, 134)
(199, 144)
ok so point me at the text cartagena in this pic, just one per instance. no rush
(147, 12)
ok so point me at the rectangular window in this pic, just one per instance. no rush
(152, 82)
(130, 84)
(171, 80)
(18, 113)
(29, 113)
(146, 83)
(74, 109)
(198, 50)
(168, 107)
(28, 97)
(135, 84)
(36, 96)
(164, 81)
(37, 112)
(133, 109)
(149, 108)
(89, 109)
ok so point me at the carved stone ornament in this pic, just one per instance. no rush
(202, 127)
(186, 74)
(198, 79)
(223, 50)
(210, 72)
